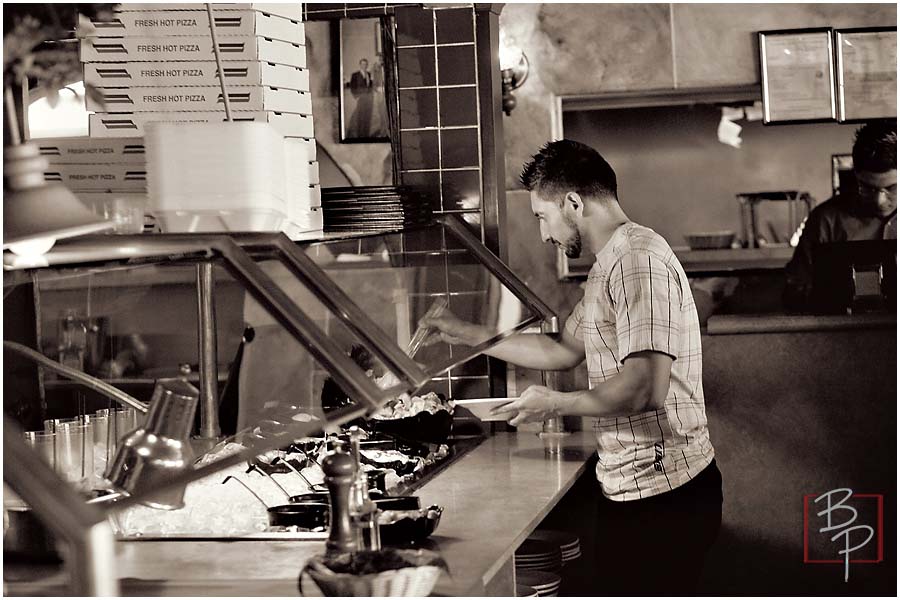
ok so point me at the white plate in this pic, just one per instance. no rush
(481, 408)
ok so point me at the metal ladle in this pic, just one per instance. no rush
(258, 469)
(248, 488)
(312, 487)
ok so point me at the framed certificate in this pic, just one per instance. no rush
(866, 73)
(797, 72)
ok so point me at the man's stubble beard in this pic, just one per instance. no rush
(573, 244)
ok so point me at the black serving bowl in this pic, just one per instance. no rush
(428, 427)
(311, 498)
(309, 516)
(408, 526)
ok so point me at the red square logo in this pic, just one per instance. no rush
(841, 525)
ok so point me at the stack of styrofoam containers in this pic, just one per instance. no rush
(155, 63)
(100, 172)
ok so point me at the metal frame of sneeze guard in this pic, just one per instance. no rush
(332, 296)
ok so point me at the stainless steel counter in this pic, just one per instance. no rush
(493, 498)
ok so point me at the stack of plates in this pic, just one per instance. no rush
(569, 544)
(525, 591)
(372, 208)
(544, 583)
(536, 555)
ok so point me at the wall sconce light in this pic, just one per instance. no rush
(513, 72)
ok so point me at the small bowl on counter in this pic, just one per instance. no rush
(710, 240)
(402, 520)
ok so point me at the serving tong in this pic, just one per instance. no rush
(422, 332)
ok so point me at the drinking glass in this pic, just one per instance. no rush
(43, 443)
(74, 453)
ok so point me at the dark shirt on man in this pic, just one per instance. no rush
(838, 219)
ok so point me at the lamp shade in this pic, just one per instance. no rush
(160, 448)
(34, 209)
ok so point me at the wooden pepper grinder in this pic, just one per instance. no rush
(339, 472)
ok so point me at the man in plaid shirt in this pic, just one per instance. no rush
(637, 327)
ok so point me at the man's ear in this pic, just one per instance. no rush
(574, 202)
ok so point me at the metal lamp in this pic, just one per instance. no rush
(159, 449)
(513, 71)
(37, 213)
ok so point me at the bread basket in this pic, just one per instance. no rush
(710, 240)
(369, 574)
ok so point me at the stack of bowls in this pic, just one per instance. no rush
(543, 582)
(537, 555)
(568, 543)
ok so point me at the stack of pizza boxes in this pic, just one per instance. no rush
(102, 173)
(156, 63)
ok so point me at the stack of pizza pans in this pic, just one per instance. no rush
(569, 544)
(372, 209)
(537, 555)
(525, 591)
(544, 583)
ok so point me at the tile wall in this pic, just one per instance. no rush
(440, 127)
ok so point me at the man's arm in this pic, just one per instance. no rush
(539, 351)
(642, 385)
(528, 350)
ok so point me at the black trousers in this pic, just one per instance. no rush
(657, 546)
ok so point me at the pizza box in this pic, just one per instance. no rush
(300, 149)
(292, 10)
(99, 177)
(159, 23)
(303, 222)
(142, 48)
(133, 124)
(160, 99)
(85, 150)
(194, 73)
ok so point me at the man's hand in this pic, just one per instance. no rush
(452, 330)
(537, 403)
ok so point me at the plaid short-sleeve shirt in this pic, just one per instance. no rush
(637, 298)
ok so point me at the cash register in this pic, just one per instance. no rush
(855, 277)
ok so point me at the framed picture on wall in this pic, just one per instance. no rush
(866, 73)
(797, 73)
(363, 104)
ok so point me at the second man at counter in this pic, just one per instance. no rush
(659, 501)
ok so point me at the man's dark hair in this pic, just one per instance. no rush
(565, 166)
(875, 147)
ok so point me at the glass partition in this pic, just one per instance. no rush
(131, 322)
(396, 278)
